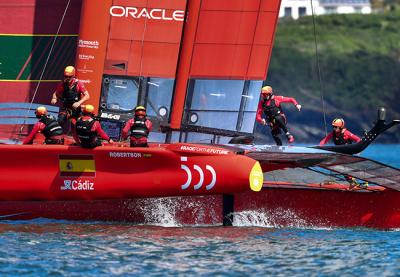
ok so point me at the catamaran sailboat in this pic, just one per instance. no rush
(197, 66)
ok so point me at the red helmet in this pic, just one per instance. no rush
(69, 71)
(40, 111)
(338, 122)
(87, 109)
(140, 110)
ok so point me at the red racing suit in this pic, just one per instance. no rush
(142, 125)
(53, 132)
(341, 138)
(89, 138)
(275, 101)
(76, 91)
(69, 93)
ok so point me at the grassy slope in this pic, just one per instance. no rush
(359, 57)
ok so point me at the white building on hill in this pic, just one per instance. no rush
(297, 8)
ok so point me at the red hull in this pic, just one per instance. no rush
(275, 207)
(324, 207)
(50, 173)
(189, 184)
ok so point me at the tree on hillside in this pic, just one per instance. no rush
(385, 5)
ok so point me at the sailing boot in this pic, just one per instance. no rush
(278, 140)
(290, 138)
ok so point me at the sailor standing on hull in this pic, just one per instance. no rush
(48, 126)
(72, 94)
(139, 128)
(270, 105)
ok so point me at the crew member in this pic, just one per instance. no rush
(89, 130)
(270, 105)
(340, 135)
(48, 126)
(139, 127)
(72, 94)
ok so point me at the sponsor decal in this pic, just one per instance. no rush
(77, 165)
(85, 57)
(78, 184)
(200, 172)
(86, 81)
(85, 70)
(110, 116)
(125, 155)
(88, 44)
(204, 150)
(155, 14)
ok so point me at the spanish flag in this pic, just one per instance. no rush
(77, 166)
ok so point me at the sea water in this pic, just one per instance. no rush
(251, 248)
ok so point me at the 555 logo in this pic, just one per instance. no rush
(200, 171)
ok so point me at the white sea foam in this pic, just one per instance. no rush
(278, 219)
(160, 212)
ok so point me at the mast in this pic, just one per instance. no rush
(184, 63)
(92, 46)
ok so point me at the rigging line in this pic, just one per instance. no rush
(318, 67)
(45, 65)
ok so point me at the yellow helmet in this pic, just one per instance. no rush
(69, 71)
(87, 109)
(266, 90)
(338, 122)
(40, 111)
(140, 110)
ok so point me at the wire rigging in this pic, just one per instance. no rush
(318, 67)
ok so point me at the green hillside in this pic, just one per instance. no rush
(359, 58)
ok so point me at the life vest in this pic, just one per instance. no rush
(84, 131)
(70, 95)
(139, 128)
(340, 139)
(271, 110)
(52, 127)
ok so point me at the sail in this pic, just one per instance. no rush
(34, 48)
(197, 66)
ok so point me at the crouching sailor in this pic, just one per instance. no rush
(139, 126)
(89, 130)
(340, 135)
(48, 126)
